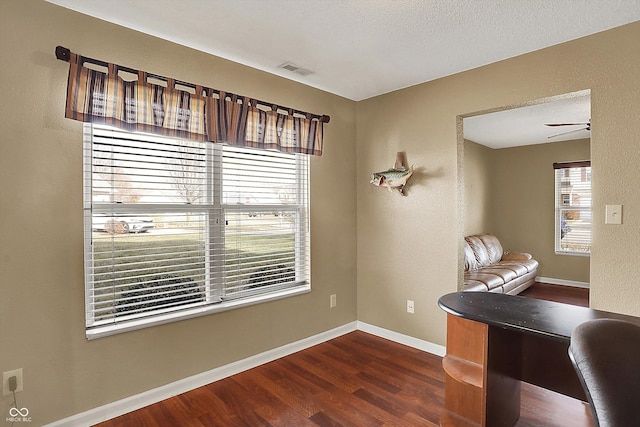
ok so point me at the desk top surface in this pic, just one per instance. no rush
(538, 317)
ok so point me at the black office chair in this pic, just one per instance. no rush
(606, 356)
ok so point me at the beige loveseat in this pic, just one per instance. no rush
(488, 268)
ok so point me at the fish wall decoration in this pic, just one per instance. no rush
(394, 178)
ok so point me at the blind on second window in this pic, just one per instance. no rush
(265, 194)
(573, 207)
(172, 225)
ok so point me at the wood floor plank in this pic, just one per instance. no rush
(290, 391)
(412, 419)
(325, 420)
(383, 383)
(318, 382)
(200, 401)
(343, 364)
(272, 409)
(282, 415)
(379, 401)
(239, 402)
(347, 410)
(180, 413)
(424, 404)
(408, 383)
(324, 368)
(433, 377)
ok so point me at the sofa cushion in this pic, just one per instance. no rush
(493, 247)
(530, 265)
(474, 286)
(517, 267)
(512, 286)
(470, 262)
(516, 256)
(491, 281)
(479, 250)
(505, 274)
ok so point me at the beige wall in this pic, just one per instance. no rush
(478, 188)
(513, 191)
(407, 247)
(42, 291)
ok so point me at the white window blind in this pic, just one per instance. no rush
(573, 207)
(176, 227)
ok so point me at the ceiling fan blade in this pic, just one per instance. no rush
(567, 124)
(565, 133)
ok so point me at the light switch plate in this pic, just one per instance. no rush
(613, 214)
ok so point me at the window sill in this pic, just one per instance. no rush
(134, 325)
(580, 254)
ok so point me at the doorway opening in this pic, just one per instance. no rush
(506, 183)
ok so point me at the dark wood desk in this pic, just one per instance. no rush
(494, 341)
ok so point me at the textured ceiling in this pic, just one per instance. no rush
(362, 48)
(526, 125)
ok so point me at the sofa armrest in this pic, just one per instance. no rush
(516, 256)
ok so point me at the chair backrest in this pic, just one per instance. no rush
(606, 356)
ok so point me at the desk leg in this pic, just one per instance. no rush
(465, 369)
(503, 371)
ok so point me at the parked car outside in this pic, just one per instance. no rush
(122, 224)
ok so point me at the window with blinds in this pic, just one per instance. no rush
(573, 208)
(176, 228)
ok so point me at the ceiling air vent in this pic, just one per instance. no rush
(295, 69)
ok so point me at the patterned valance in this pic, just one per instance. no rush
(198, 113)
(238, 121)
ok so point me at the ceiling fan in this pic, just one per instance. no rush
(587, 126)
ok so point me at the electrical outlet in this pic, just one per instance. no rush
(5, 381)
(410, 306)
(332, 301)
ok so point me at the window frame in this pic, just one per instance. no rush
(216, 212)
(564, 201)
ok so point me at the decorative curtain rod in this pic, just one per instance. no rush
(64, 54)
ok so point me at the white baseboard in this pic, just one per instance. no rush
(562, 282)
(132, 403)
(429, 347)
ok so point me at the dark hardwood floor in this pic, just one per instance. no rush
(558, 293)
(357, 379)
